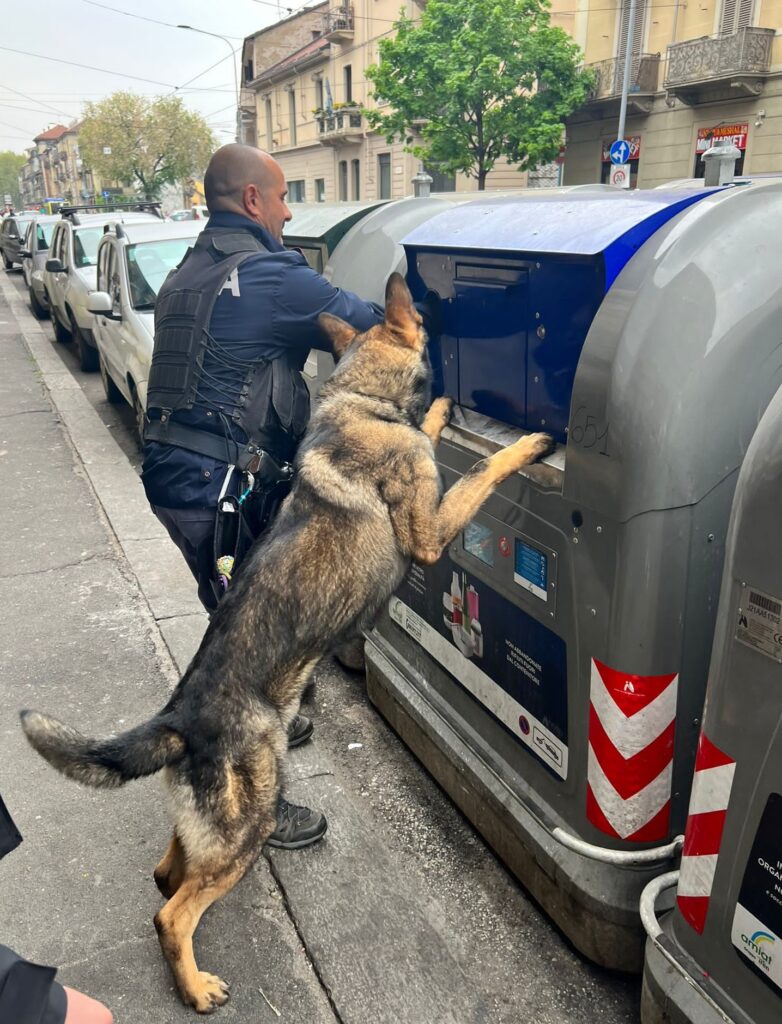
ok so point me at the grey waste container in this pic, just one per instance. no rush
(318, 228)
(718, 955)
(550, 669)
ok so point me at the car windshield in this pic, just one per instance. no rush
(85, 246)
(45, 234)
(148, 266)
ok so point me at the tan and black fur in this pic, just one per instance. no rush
(366, 501)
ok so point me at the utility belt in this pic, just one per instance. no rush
(240, 519)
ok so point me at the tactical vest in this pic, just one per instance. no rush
(267, 399)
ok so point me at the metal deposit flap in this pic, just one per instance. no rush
(520, 280)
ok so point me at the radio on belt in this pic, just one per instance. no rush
(550, 670)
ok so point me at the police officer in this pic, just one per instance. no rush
(234, 323)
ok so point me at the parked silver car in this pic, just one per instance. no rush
(12, 229)
(69, 275)
(34, 253)
(133, 262)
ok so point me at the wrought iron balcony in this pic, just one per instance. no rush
(344, 125)
(609, 74)
(719, 67)
(338, 23)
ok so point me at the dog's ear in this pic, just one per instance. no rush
(401, 315)
(339, 333)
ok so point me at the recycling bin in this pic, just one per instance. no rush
(718, 956)
(550, 669)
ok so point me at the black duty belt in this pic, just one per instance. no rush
(214, 446)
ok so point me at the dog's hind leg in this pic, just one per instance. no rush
(177, 922)
(170, 871)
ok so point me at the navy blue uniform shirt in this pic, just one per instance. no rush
(267, 310)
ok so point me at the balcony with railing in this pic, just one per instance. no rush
(609, 74)
(719, 67)
(341, 126)
(338, 23)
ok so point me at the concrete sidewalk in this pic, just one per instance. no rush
(400, 915)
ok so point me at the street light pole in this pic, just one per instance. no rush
(233, 64)
(626, 76)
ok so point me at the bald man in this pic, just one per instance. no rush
(226, 401)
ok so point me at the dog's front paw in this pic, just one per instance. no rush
(541, 445)
(442, 407)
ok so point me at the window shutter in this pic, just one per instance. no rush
(638, 40)
(736, 14)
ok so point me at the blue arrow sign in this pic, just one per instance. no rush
(619, 152)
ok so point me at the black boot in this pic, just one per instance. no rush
(296, 827)
(299, 731)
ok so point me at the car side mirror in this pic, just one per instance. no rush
(100, 304)
(54, 266)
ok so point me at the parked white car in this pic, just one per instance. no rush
(69, 275)
(192, 213)
(133, 262)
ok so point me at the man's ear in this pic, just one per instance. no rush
(339, 333)
(401, 315)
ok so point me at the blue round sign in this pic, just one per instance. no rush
(619, 152)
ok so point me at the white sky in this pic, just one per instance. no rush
(78, 31)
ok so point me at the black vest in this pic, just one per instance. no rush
(268, 400)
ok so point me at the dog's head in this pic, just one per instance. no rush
(387, 361)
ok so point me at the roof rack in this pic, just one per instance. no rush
(72, 212)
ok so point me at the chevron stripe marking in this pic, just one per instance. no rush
(632, 735)
(630, 775)
(704, 833)
(631, 693)
(709, 756)
(696, 875)
(711, 789)
(628, 816)
(693, 910)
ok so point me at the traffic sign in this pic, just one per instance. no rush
(619, 175)
(619, 152)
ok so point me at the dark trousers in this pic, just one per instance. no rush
(193, 532)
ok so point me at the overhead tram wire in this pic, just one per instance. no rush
(138, 17)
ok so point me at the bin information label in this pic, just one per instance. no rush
(506, 660)
(757, 922)
(531, 570)
(760, 623)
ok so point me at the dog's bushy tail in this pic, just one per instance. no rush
(103, 763)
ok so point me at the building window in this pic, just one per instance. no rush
(736, 14)
(292, 113)
(355, 168)
(269, 128)
(320, 190)
(343, 180)
(296, 191)
(441, 182)
(319, 103)
(348, 73)
(384, 175)
(639, 23)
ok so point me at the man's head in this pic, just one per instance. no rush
(245, 180)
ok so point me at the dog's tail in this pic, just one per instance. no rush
(104, 763)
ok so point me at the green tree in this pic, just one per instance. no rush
(145, 144)
(10, 168)
(476, 80)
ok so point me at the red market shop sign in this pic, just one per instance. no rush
(733, 133)
(635, 148)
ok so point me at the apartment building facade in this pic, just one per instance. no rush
(699, 72)
(55, 169)
(304, 105)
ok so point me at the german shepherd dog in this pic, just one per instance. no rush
(366, 500)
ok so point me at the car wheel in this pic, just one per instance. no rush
(39, 312)
(141, 418)
(113, 393)
(88, 356)
(61, 334)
